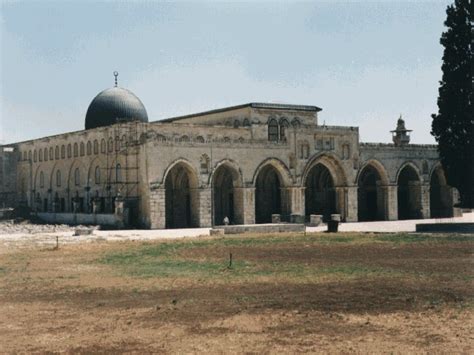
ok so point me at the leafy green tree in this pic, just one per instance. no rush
(453, 126)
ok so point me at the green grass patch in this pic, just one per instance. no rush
(165, 259)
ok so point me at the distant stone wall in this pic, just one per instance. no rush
(8, 182)
(110, 220)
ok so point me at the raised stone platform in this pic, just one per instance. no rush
(262, 228)
(446, 228)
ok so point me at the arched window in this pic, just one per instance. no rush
(204, 164)
(273, 130)
(102, 146)
(58, 178)
(424, 167)
(29, 155)
(295, 123)
(63, 151)
(124, 141)
(110, 145)
(160, 138)
(45, 154)
(69, 150)
(81, 149)
(51, 153)
(76, 150)
(246, 123)
(283, 127)
(56, 153)
(96, 147)
(304, 152)
(97, 175)
(200, 139)
(77, 177)
(118, 173)
(117, 142)
(41, 179)
(35, 156)
(89, 148)
(346, 152)
(236, 124)
(40, 155)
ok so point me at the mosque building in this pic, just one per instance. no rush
(248, 163)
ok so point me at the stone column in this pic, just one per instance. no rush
(38, 204)
(294, 197)
(157, 208)
(95, 205)
(248, 203)
(55, 205)
(381, 198)
(75, 205)
(351, 204)
(340, 201)
(204, 207)
(119, 211)
(239, 208)
(119, 205)
(425, 200)
(50, 200)
(391, 202)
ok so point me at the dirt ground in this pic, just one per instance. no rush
(344, 293)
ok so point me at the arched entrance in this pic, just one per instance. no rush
(441, 198)
(409, 194)
(181, 197)
(267, 194)
(320, 194)
(370, 198)
(227, 199)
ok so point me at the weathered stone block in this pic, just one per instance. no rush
(315, 220)
(276, 218)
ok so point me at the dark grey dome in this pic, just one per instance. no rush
(115, 105)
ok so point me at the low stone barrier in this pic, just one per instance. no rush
(264, 228)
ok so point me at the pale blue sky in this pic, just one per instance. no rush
(363, 62)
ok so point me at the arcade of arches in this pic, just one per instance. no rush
(181, 197)
(268, 194)
(376, 198)
(320, 193)
(227, 196)
(370, 197)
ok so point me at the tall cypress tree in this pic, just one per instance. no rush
(453, 126)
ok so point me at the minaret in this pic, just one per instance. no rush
(401, 135)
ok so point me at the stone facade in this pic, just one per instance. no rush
(245, 163)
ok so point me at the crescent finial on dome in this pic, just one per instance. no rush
(116, 75)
